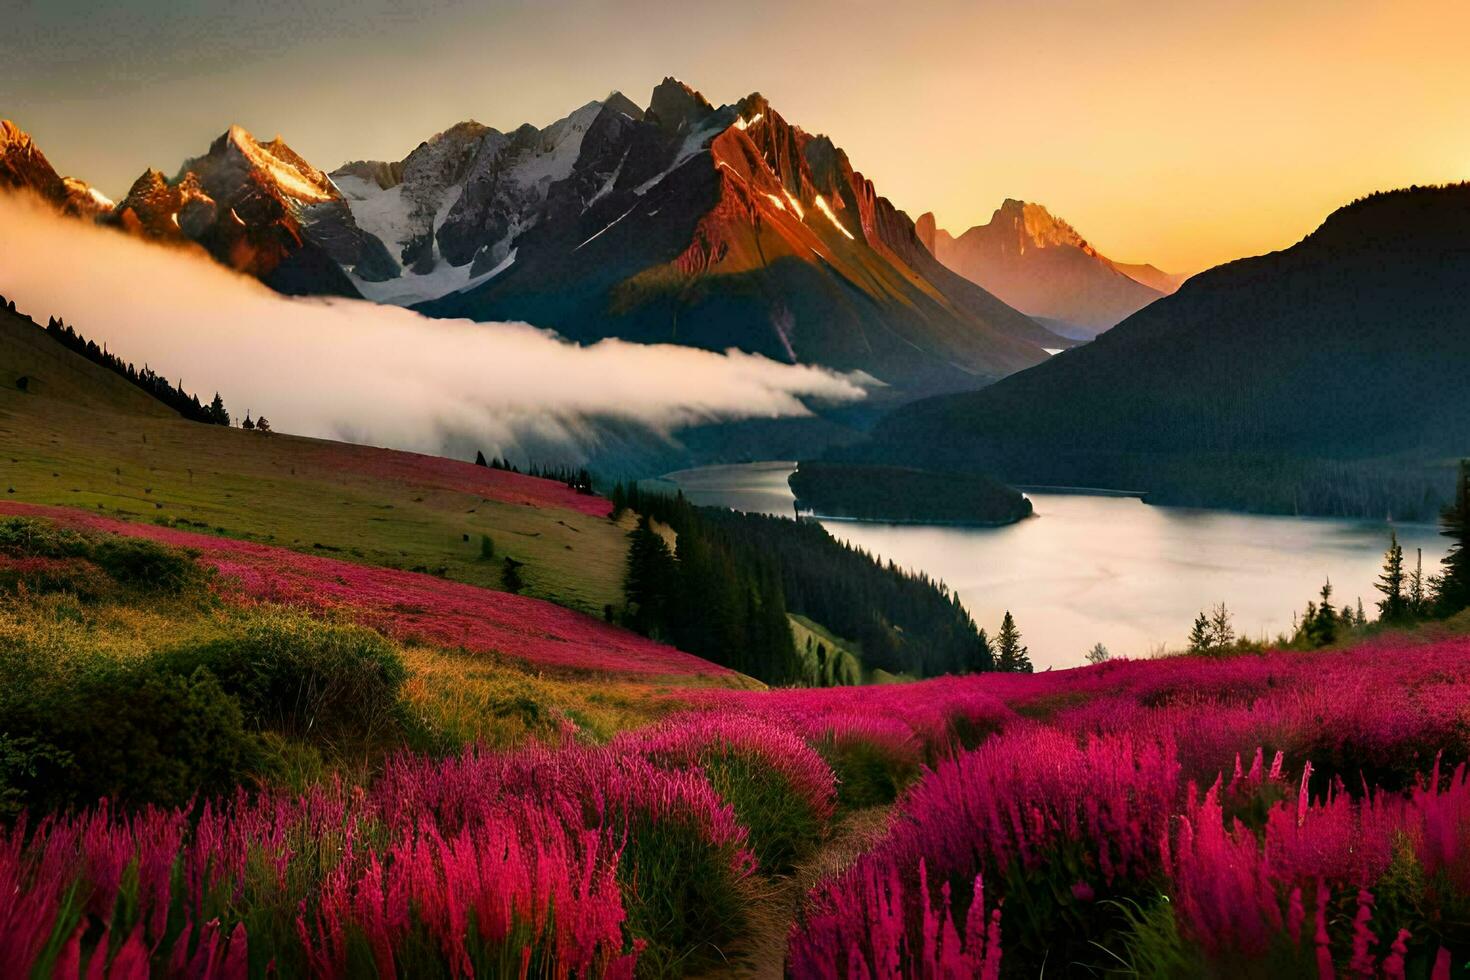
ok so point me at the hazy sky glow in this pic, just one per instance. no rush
(1182, 134)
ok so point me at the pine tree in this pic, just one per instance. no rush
(984, 655)
(1392, 606)
(1200, 637)
(1012, 656)
(510, 575)
(1454, 523)
(217, 413)
(1222, 633)
(480, 458)
(649, 580)
(1324, 625)
(1418, 600)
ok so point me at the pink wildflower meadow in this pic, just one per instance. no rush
(415, 470)
(486, 864)
(409, 605)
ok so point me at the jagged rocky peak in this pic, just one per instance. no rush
(24, 167)
(927, 230)
(236, 155)
(618, 102)
(676, 107)
(1033, 226)
(379, 173)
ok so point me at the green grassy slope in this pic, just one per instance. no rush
(83, 437)
(52, 373)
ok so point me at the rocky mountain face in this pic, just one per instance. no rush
(1040, 265)
(1325, 378)
(24, 167)
(262, 210)
(717, 227)
(681, 222)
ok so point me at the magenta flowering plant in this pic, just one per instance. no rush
(777, 785)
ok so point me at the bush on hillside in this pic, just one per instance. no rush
(44, 557)
(136, 732)
(303, 677)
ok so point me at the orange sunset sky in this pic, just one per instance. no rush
(1183, 134)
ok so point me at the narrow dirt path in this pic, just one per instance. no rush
(762, 954)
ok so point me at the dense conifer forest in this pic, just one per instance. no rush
(723, 586)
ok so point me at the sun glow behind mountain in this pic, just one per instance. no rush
(1183, 134)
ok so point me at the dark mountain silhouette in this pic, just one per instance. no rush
(1331, 377)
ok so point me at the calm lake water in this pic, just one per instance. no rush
(1114, 570)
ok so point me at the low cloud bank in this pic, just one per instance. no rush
(352, 370)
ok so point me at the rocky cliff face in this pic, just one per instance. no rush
(720, 227)
(262, 210)
(24, 167)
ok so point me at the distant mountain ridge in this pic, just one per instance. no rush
(1330, 377)
(1039, 264)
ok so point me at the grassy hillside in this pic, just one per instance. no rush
(33, 362)
(83, 437)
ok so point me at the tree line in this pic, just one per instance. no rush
(171, 394)
(578, 478)
(1410, 595)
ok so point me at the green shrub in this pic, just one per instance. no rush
(142, 564)
(783, 827)
(89, 564)
(868, 774)
(303, 677)
(681, 897)
(136, 732)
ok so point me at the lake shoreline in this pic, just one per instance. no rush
(1106, 568)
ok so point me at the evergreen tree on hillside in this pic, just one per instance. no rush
(1393, 605)
(650, 578)
(984, 655)
(1418, 598)
(1323, 628)
(1200, 637)
(217, 413)
(1012, 656)
(1222, 633)
(1454, 523)
(480, 458)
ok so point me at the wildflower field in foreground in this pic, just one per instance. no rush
(267, 792)
(1282, 814)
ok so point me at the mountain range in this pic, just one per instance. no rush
(1040, 265)
(1327, 378)
(682, 222)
